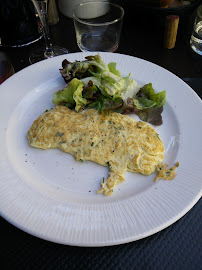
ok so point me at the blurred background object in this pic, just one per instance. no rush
(66, 6)
(53, 17)
(171, 27)
(6, 70)
(151, 19)
(155, 3)
(169, 4)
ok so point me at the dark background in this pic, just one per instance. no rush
(176, 247)
(142, 36)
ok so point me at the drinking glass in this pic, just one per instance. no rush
(48, 51)
(196, 37)
(98, 25)
(18, 23)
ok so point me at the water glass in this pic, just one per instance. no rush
(98, 26)
(196, 37)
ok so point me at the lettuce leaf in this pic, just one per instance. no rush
(112, 68)
(131, 88)
(79, 99)
(143, 103)
(92, 83)
(81, 69)
(66, 95)
(108, 77)
(151, 115)
(148, 92)
(104, 105)
(71, 95)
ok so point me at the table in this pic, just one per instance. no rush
(176, 247)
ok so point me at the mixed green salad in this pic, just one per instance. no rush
(92, 83)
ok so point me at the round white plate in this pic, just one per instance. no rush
(48, 194)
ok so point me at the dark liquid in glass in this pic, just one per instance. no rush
(18, 23)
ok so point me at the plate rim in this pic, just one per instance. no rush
(116, 242)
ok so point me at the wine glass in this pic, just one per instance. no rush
(48, 51)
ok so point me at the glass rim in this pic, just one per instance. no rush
(98, 24)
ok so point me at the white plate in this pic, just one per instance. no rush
(50, 195)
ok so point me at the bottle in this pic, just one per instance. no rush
(52, 13)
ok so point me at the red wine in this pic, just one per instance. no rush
(18, 23)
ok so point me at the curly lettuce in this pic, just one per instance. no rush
(92, 83)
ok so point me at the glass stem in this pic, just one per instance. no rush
(42, 7)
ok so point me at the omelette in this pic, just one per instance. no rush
(113, 140)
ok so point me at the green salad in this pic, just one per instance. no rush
(93, 84)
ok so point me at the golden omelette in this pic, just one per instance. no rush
(113, 140)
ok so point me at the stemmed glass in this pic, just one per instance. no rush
(48, 51)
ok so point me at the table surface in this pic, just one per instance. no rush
(176, 247)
